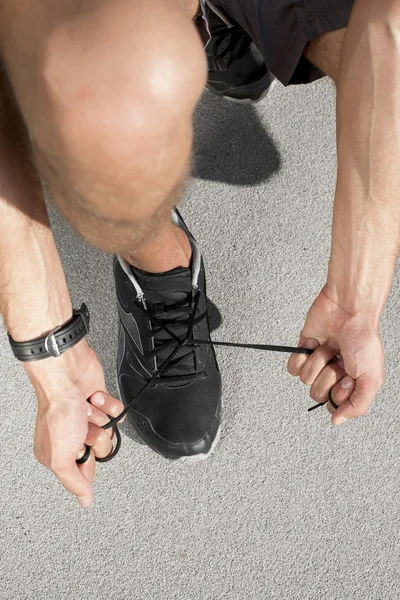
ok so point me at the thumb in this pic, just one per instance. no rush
(360, 400)
(363, 360)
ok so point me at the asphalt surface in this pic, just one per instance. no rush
(288, 507)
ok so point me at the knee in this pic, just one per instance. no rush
(118, 101)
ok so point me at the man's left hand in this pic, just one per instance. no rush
(347, 358)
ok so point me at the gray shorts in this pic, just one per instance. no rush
(282, 28)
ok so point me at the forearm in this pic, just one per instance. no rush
(33, 292)
(365, 238)
(34, 298)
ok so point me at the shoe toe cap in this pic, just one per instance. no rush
(189, 439)
(177, 422)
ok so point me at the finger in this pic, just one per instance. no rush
(297, 361)
(99, 440)
(342, 391)
(318, 361)
(88, 469)
(109, 405)
(99, 418)
(357, 405)
(74, 481)
(325, 381)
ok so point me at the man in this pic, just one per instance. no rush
(98, 98)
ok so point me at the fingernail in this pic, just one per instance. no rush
(341, 420)
(346, 382)
(89, 410)
(333, 345)
(98, 399)
(84, 501)
(312, 344)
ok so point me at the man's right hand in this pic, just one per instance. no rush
(66, 421)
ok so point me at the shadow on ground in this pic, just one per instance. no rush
(230, 143)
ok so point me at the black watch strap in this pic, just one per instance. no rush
(57, 341)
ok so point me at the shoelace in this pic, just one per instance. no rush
(172, 359)
(179, 363)
(237, 45)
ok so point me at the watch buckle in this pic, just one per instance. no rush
(50, 343)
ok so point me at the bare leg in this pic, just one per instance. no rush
(109, 112)
(167, 248)
(324, 52)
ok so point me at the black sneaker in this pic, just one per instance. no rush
(236, 68)
(178, 414)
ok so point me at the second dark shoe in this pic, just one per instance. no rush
(236, 68)
(179, 414)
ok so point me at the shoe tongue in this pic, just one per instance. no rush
(169, 287)
(165, 289)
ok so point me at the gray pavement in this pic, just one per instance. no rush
(288, 507)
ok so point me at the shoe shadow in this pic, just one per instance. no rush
(231, 144)
(214, 315)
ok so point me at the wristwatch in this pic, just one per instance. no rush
(57, 341)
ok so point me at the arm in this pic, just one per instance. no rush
(34, 299)
(366, 222)
(365, 235)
